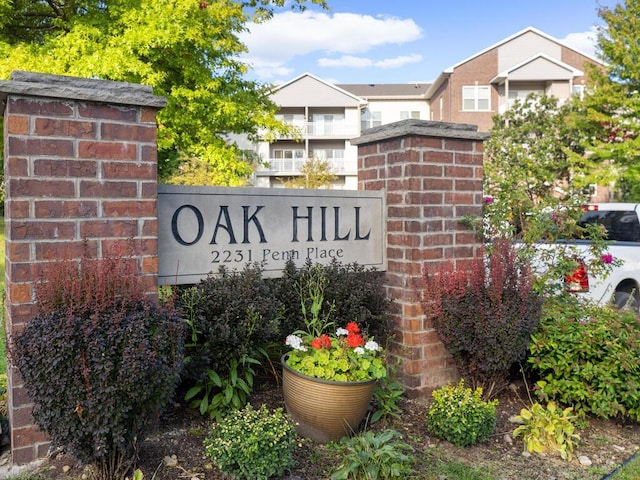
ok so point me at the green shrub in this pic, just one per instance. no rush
(99, 361)
(547, 429)
(587, 357)
(356, 294)
(460, 416)
(484, 315)
(374, 455)
(231, 316)
(252, 444)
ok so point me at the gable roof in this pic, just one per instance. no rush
(534, 63)
(312, 77)
(447, 71)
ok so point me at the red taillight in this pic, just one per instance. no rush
(578, 281)
(589, 208)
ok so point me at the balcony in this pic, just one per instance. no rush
(322, 130)
(292, 166)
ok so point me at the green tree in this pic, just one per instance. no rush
(532, 166)
(607, 120)
(187, 50)
(314, 173)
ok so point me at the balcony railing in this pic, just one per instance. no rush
(325, 129)
(293, 166)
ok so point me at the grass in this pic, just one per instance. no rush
(629, 471)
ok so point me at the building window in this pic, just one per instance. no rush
(578, 91)
(412, 114)
(370, 119)
(476, 98)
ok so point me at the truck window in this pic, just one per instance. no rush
(622, 226)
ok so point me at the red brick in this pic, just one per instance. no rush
(458, 199)
(129, 171)
(437, 184)
(64, 250)
(20, 292)
(149, 228)
(99, 189)
(458, 172)
(403, 212)
(388, 145)
(149, 190)
(367, 149)
(424, 170)
(473, 185)
(40, 188)
(149, 153)
(108, 228)
(468, 159)
(133, 133)
(107, 150)
(459, 145)
(405, 156)
(108, 112)
(426, 198)
(17, 209)
(129, 208)
(64, 209)
(65, 128)
(17, 167)
(423, 142)
(17, 124)
(38, 106)
(41, 230)
(150, 265)
(40, 146)
(18, 252)
(374, 161)
(437, 156)
(65, 168)
(148, 115)
(21, 272)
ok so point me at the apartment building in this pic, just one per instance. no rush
(471, 91)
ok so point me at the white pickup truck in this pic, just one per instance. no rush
(622, 285)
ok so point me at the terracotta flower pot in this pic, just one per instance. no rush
(324, 410)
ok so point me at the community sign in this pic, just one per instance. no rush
(201, 229)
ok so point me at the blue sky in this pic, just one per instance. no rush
(404, 41)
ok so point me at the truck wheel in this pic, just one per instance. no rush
(624, 300)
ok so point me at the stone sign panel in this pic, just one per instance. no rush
(201, 229)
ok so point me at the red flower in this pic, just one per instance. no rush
(354, 340)
(321, 341)
(352, 327)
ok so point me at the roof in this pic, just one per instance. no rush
(384, 90)
(436, 84)
(330, 85)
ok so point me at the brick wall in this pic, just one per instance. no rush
(432, 174)
(80, 173)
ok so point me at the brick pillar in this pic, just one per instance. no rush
(432, 174)
(80, 169)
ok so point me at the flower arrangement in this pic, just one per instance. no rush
(346, 355)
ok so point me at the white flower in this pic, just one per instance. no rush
(295, 342)
(342, 332)
(359, 350)
(371, 345)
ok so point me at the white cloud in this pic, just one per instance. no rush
(294, 34)
(583, 41)
(350, 61)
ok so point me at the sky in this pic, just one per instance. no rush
(405, 41)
